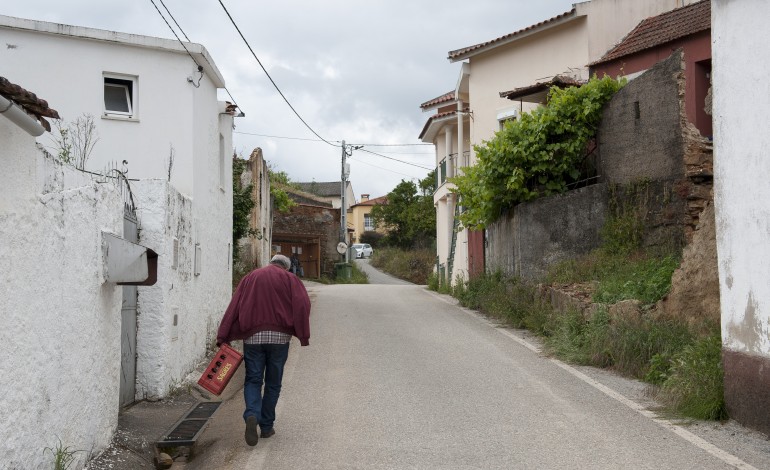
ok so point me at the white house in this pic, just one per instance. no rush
(477, 107)
(154, 103)
(741, 62)
(60, 315)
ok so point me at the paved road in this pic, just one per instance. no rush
(378, 277)
(396, 377)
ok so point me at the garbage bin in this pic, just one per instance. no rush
(343, 271)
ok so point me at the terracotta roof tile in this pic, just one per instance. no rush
(28, 101)
(435, 117)
(450, 96)
(460, 53)
(561, 81)
(661, 29)
(373, 202)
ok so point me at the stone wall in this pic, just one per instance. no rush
(652, 162)
(536, 235)
(309, 221)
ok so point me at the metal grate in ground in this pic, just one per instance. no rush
(187, 430)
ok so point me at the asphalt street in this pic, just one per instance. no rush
(397, 377)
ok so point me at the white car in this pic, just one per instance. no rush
(363, 250)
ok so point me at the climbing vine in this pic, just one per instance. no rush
(538, 155)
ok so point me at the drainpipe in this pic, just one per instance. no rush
(17, 116)
(460, 150)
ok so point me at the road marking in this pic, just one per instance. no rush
(699, 442)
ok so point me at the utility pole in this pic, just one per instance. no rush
(347, 151)
(343, 208)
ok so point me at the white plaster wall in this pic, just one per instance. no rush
(196, 206)
(59, 320)
(165, 100)
(168, 352)
(609, 21)
(522, 63)
(741, 65)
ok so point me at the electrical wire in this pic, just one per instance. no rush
(277, 136)
(365, 145)
(174, 20)
(381, 168)
(188, 40)
(391, 145)
(200, 68)
(271, 78)
(395, 159)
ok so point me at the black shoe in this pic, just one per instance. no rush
(251, 435)
(268, 433)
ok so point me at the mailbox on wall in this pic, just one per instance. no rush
(127, 263)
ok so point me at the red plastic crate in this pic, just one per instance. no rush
(221, 369)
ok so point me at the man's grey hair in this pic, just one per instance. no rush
(282, 261)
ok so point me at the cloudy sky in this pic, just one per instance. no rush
(354, 70)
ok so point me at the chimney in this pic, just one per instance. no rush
(364, 197)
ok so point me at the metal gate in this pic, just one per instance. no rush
(128, 308)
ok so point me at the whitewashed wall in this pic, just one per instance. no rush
(167, 104)
(59, 320)
(194, 203)
(741, 66)
(178, 316)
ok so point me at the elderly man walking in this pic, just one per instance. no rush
(269, 306)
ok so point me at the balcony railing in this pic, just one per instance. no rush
(441, 169)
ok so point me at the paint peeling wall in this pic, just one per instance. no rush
(59, 334)
(741, 168)
(178, 316)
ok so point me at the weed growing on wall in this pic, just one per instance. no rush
(63, 456)
(538, 155)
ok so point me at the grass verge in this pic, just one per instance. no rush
(684, 363)
(414, 266)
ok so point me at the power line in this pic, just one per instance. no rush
(390, 145)
(397, 160)
(382, 168)
(271, 78)
(200, 69)
(174, 20)
(318, 140)
(278, 136)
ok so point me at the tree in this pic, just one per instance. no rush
(408, 215)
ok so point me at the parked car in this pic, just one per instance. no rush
(363, 250)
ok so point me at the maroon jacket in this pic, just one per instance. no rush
(267, 299)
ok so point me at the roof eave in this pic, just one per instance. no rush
(516, 36)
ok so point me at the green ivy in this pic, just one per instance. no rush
(242, 205)
(538, 155)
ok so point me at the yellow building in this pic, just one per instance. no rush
(360, 218)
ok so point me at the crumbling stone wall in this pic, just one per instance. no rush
(309, 221)
(651, 160)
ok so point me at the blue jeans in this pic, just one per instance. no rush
(264, 363)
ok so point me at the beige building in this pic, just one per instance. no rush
(360, 218)
(479, 105)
